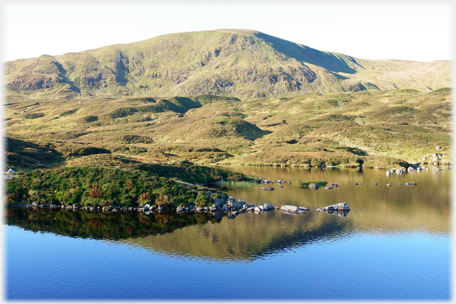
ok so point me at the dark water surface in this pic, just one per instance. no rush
(395, 243)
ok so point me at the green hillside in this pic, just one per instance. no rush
(242, 64)
(380, 129)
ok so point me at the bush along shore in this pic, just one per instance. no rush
(129, 188)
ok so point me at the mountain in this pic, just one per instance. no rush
(245, 64)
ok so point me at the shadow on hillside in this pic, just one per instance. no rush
(22, 154)
(63, 73)
(309, 55)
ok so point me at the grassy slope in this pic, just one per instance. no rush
(237, 63)
(379, 128)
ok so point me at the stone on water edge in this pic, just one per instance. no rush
(290, 208)
(268, 206)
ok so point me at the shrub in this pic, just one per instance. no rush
(305, 185)
(87, 119)
(33, 115)
(95, 192)
(69, 112)
(129, 185)
(88, 151)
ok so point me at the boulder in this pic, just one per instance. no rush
(220, 202)
(415, 166)
(233, 202)
(258, 209)
(290, 208)
(314, 186)
(267, 189)
(11, 171)
(268, 206)
(388, 185)
(230, 201)
(340, 206)
(179, 209)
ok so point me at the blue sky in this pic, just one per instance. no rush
(420, 32)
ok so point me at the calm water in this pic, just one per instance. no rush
(394, 244)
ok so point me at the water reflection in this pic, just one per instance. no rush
(338, 213)
(220, 236)
(208, 235)
(103, 225)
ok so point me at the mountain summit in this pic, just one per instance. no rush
(231, 62)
